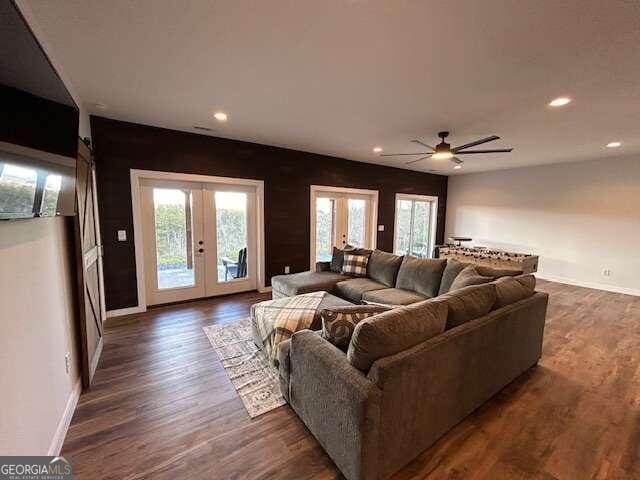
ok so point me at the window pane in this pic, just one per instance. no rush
(231, 231)
(51, 192)
(17, 188)
(356, 222)
(174, 245)
(403, 227)
(421, 222)
(325, 228)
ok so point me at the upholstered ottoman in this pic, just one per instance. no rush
(327, 301)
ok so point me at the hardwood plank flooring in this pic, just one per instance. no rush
(162, 406)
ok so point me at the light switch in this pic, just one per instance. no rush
(122, 235)
(287, 269)
(381, 228)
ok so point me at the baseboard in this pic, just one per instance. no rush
(125, 311)
(264, 289)
(65, 421)
(594, 285)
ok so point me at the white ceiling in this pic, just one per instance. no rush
(340, 77)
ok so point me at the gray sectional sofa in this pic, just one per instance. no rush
(410, 373)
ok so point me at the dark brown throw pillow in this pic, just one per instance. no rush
(338, 323)
(467, 277)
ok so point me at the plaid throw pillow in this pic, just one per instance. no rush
(338, 323)
(355, 265)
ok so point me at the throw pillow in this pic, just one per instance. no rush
(513, 289)
(337, 257)
(451, 271)
(467, 277)
(338, 323)
(392, 332)
(355, 265)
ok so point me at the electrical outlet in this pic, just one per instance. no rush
(287, 269)
(67, 364)
(606, 272)
(122, 235)
(381, 228)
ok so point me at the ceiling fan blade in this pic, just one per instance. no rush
(416, 161)
(477, 142)
(396, 154)
(423, 144)
(456, 160)
(499, 150)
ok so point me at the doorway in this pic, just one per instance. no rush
(198, 238)
(415, 225)
(340, 217)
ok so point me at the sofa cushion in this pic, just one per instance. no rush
(451, 271)
(353, 289)
(383, 267)
(337, 257)
(305, 282)
(338, 323)
(513, 289)
(355, 265)
(467, 303)
(394, 331)
(421, 275)
(467, 277)
(393, 296)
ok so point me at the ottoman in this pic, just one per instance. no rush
(328, 301)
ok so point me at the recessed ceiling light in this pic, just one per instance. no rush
(613, 144)
(377, 149)
(457, 167)
(220, 116)
(559, 102)
(100, 106)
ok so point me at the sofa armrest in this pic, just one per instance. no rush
(323, 266)
(336, 402)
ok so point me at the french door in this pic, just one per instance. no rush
(199, 239)
(415, 225)
(341, 217)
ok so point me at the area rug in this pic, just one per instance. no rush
(249, 370)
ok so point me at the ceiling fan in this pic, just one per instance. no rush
(444, 151)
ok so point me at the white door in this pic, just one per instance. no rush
(199, 239)
(341, 218)
(415, 225)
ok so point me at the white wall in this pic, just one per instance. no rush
(36, 331)
(580, 218)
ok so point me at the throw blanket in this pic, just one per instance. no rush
(276, 320)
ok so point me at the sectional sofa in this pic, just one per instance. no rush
(413, 372)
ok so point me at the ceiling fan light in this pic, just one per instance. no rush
(457, 167)
(442, 155)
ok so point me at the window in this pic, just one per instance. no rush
(415, 225)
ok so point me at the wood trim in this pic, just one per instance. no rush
(67, 415)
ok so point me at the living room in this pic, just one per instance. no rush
(359, 240)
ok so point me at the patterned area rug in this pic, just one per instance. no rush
(255, 379)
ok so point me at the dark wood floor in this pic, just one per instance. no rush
(162, 406)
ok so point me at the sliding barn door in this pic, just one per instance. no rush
(89, 258)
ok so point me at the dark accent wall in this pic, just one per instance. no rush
(287, 175)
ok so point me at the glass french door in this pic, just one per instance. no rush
(415, 224)
(199, 239)
(341, 219)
